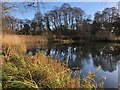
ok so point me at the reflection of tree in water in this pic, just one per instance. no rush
(81, 55)
(75, 60)
(106, 62)
(74, 56)
(106, 56)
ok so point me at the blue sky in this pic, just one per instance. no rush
(89, 7)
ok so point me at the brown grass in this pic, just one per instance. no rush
(55, 72)
(42, 69)
(38, 70)
(23, 41)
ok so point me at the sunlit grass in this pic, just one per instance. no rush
(40, 71)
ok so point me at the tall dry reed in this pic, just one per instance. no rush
(23, 41)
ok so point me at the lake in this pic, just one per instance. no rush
(101, 58)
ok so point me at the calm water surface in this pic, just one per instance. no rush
(105, 56)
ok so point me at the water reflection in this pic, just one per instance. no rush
(85, 57)
(106, 56)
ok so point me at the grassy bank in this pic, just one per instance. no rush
(24, 71)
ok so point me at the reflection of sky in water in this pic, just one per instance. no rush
(111, 78)
(87, 60)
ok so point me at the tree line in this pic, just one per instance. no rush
(66, 20)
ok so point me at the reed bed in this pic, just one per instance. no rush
(23, 41)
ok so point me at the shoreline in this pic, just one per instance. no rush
(39, 71)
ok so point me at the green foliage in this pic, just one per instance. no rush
(15, 57)
(10, 68)
(20, 84)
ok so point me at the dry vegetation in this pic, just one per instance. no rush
(39, 71)
(23, 41)
(18, 39)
